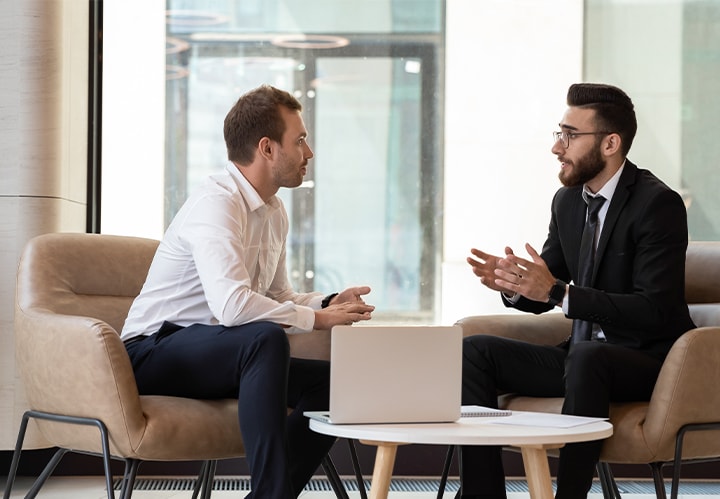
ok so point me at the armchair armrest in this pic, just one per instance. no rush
(312, 345)
(78, 366)
(545, 329)
(686, 392)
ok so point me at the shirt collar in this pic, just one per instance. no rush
(251, 196)
(608, 189)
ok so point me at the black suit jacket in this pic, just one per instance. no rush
(638, 290)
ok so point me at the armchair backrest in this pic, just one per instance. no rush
(702, 282)
(89, 275)
(72, 297)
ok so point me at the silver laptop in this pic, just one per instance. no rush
(394, 374)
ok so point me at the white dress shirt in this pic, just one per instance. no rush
(222, 261)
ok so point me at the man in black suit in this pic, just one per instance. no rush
(632, 302)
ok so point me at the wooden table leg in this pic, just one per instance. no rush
(537, 472)
(382, 472)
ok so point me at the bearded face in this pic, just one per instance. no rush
(584, 168)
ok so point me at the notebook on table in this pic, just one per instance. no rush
(394, 374)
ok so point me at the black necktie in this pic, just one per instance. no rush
(582, 330)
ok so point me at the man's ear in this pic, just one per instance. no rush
(265, 148)
(612, 144)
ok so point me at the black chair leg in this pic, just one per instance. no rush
(46, 472)
(128, 481)
(607, 482)
(12, 473)
(204, 483)
(356, 467)
(209, 480)
(658, 479)
(200, 479)
(50, 467)
(334, 479)
(446, 471)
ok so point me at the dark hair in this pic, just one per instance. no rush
(255, 115)
(614, 111)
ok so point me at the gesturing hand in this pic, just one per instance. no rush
(350, 295)
(484, 266)
(530, 278)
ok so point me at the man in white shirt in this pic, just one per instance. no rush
(213, 316)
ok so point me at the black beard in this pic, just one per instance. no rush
(584, 169)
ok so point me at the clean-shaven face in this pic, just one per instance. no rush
(294, 152)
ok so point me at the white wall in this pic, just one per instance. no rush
(508, 66)
(130, 100)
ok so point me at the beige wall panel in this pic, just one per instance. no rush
(39, 97)
(9, 91)
(43, 153)
(43, 99)
(74, 104)
(20, 220)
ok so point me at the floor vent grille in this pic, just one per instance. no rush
(687, 487)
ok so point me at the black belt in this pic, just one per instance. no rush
(135, 339)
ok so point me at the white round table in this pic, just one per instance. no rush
(533, 442)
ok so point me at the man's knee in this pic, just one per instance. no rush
(586, 354)
(586, 364)
(480, 347)
(269, 338)
(480, 342)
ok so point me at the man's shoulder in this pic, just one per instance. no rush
(565, 194)
(645, 182)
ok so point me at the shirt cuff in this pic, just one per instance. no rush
(512, 299)
(566, 300)
(306, 318)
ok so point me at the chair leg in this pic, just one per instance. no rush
(200, 479)
(50, 467)
(46, 472)
(16, 457)
(607, 481)
(446, 471)
(658, 479)
(356, 467)
(128, 482)
(209, 479)
(334, 479)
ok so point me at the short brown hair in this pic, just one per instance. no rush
(255, 115)
(614, 110)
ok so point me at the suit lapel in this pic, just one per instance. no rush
(618, 201)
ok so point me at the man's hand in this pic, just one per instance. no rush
(351, 295)
(342, 313)
(484, 266)
(530, 278)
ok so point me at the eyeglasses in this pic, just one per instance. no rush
(565, 136)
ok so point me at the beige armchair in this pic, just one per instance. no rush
(73, 294)
(675, 425)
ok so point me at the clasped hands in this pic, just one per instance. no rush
(347, 307)
(512, 274)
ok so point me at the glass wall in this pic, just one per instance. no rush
(431, 122)
(369, 76)
(667, 55)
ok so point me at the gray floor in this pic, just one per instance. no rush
(402, 488)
